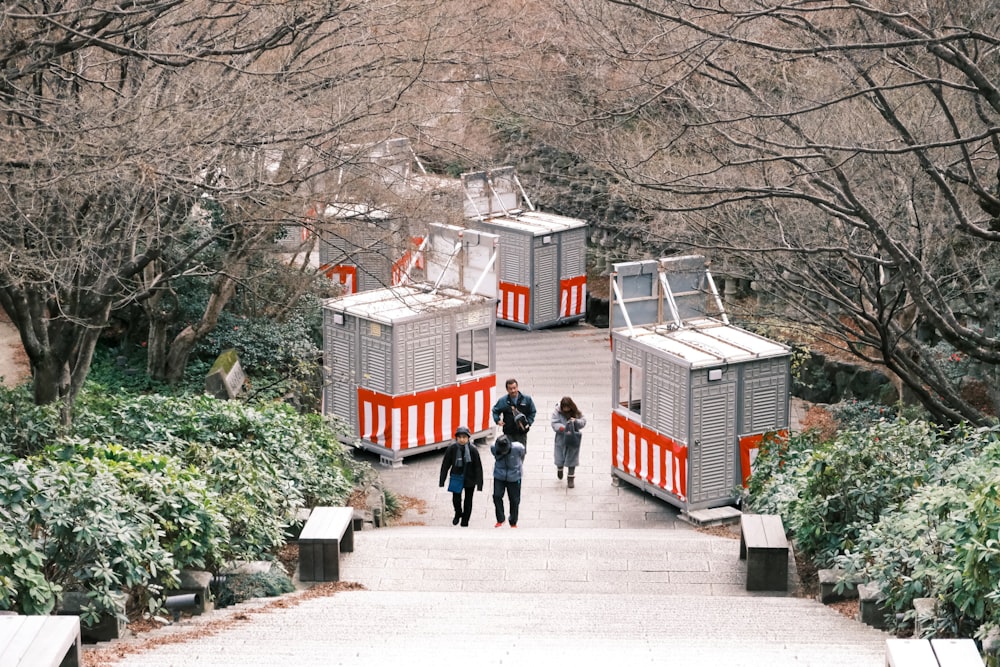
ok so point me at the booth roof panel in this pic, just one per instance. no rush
(537, 223)
(397, 304)
(706, 342)
(347, 211)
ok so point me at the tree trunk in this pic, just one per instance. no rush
(49, 379)
(224, 286)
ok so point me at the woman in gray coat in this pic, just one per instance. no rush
(567, 421)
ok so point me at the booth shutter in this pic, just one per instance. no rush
(765, 397)
(545, 290)
(375, 361)
(712, 453)
(341, 394)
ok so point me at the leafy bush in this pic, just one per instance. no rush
(901, 503)
(776, 481)
(25, 428)
(141, 486)
(23, 585)
(856, 415)
(189, 517)
(943, 542)
(91, 533)
(851, 481)
(236, 588)
(263, 461)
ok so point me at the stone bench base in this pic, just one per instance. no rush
(765, 548)
(328, 532)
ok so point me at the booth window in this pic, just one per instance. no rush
(473, 348)
(630, 387)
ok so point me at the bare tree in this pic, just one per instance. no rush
(118, 119)
(842, 154)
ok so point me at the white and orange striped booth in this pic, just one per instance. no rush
(407, 365)
(543, 256)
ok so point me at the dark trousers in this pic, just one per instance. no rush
(463, 510)
(513, 490)
(517, 436)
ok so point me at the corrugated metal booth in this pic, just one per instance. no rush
(543, 267)
(693, 394)
(365, 248)
(407, 365)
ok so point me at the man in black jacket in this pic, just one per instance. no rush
(515, 413)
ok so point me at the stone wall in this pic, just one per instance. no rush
(824, 380)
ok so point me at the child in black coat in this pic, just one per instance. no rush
(462, 458)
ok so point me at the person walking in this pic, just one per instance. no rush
(464, 467)
(567, 421)
(514, 413)
(507, 470)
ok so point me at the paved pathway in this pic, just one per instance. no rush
(594, 574)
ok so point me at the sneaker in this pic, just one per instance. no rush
(457, 518)
(498, 524)
(513, 525)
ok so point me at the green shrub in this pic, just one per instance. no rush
(25, 428)
(144, 485)
(856, 415)
(94, 535)
(943, 542)
(777, 479)
(236, 588)
(23, 585)
(850, 482)
(263, 461)
(189, 517)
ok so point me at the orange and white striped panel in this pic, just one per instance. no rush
(401, 268)
(408, 421)
(514, 303)
(750, 445)
(345, 274)
(572, 296)
(412, 259)
(648, 456)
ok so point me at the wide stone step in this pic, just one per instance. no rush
(529, 560)
(424, 628)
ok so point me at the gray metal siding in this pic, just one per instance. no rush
(371, 247)
(545, 285)
(339, 358)
(765, 396)
(666, 408)
(376, 346)
(374, 270)
(712, 450)
(515, 257)
(423, 348)
(573, 252)
(628, 352)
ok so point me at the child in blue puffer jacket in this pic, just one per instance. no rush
(507, 470)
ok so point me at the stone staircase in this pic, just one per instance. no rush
(488, 596)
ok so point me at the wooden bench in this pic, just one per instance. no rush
(328, 532)
(764, 547)
(932, 653)
(39, 641)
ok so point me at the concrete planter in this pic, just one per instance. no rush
(109, 626)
